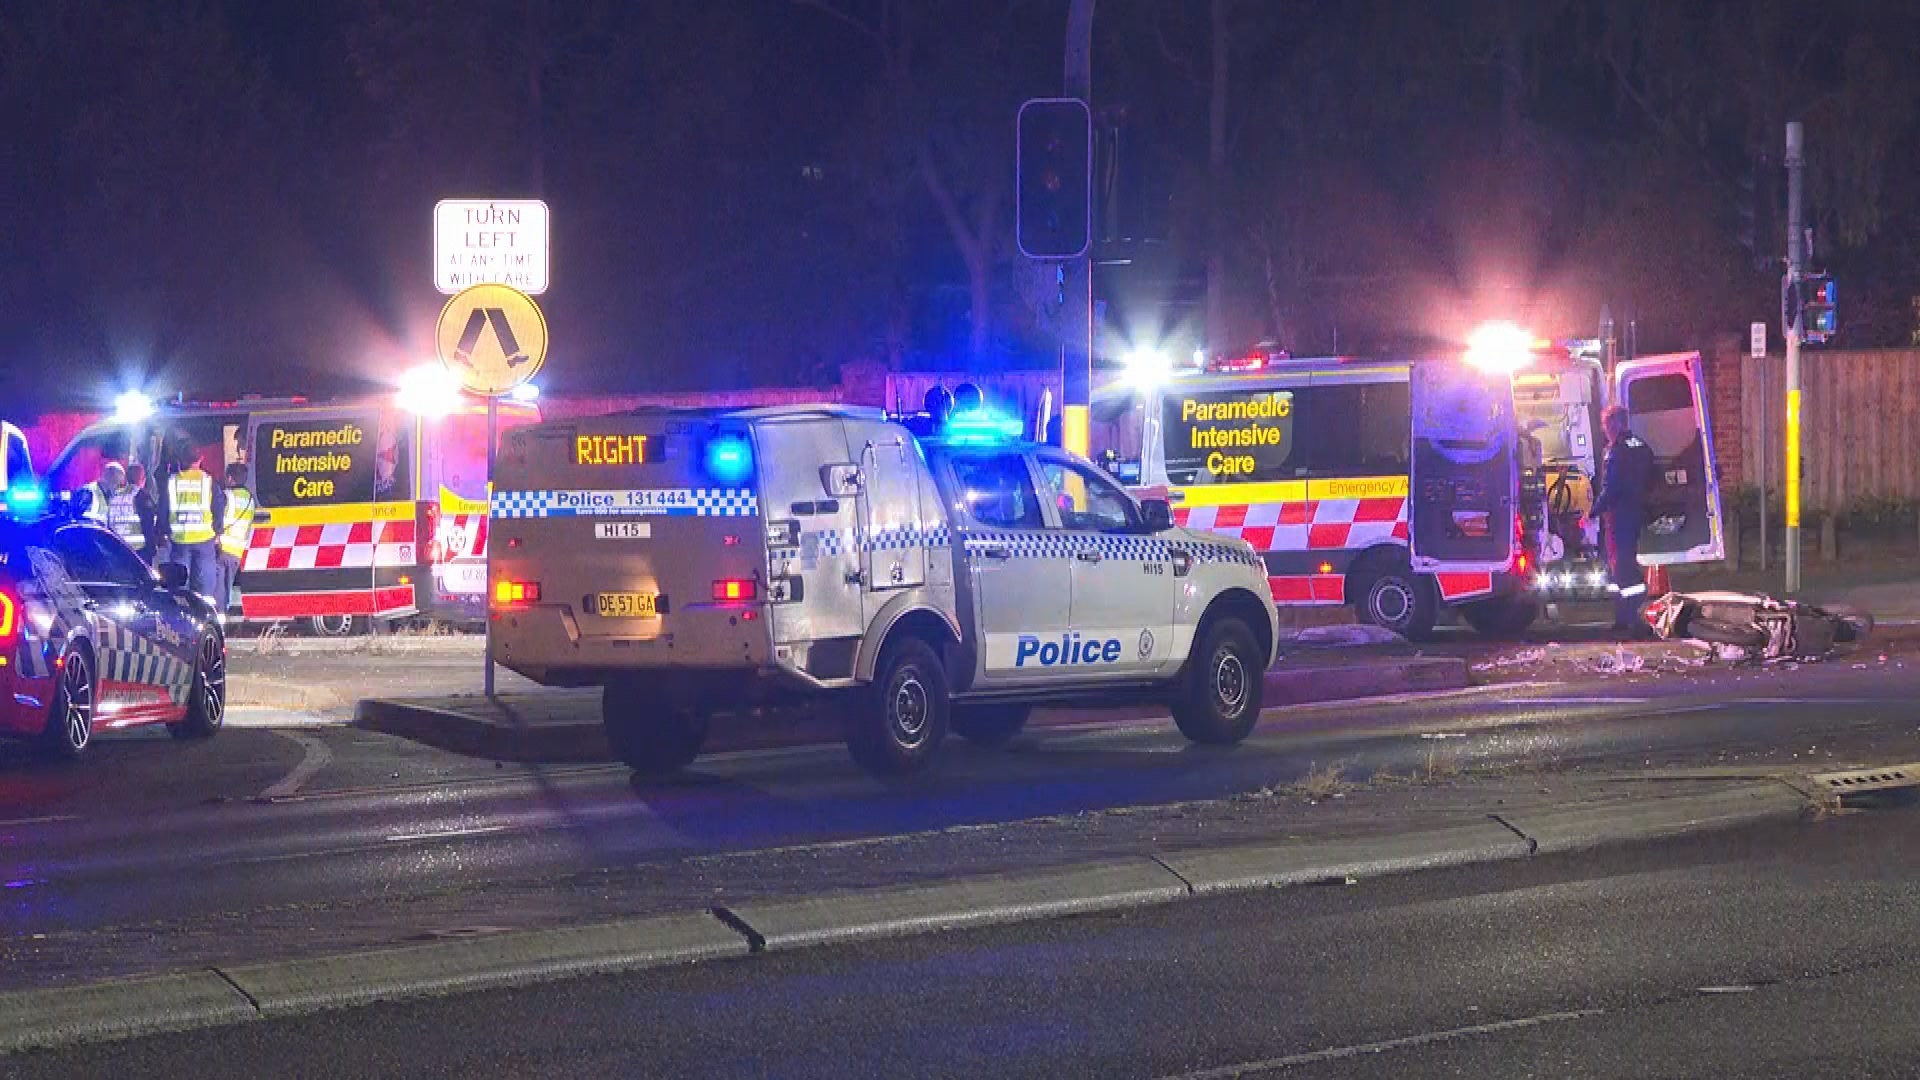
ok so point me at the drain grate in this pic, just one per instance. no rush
(1884, 778)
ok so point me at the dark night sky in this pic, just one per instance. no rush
(223, 195)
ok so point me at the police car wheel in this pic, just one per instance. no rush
(1218, 701)
(70, 721)
(1399, 601)
(207, 706)
(989, 725)
(650, 738)
(899, 726)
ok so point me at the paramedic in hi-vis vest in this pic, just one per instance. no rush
(123, 516)
(236, 532)
(194, 509)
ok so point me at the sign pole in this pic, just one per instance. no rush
(1796, 265)
(1757, 349)
(493, 424)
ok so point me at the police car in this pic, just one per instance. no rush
(693, 562)
(93, 640)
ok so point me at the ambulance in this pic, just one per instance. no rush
(1410, 488)
(365, 510)
(699, 562)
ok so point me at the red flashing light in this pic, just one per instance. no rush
(733, 590)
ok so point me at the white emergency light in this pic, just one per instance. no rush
(526, 393)
(1500, 348)
(1147, 367)
(132, 406)
(429, 390)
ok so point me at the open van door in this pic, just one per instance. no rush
(1667, 406)
(1464, 486)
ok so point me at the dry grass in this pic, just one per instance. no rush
(1437, 768)
(1323, 782)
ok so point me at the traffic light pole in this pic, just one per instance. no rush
(1076, 323)
(1796, 268)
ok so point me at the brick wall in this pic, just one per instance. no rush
(1725, 363)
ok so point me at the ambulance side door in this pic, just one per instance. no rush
(1666, 405)
(1464, 487)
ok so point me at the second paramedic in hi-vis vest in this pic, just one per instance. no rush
(236, 531)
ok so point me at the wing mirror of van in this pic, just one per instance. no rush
(1156, 515)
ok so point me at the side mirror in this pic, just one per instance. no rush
(173, 577)
(1156, 515)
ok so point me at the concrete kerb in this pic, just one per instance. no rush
(126, 1008)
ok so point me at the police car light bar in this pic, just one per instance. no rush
(981, 425)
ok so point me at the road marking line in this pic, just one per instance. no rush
(1711, 706)
(1581, 701)
(1226, 1072)
(481, 830)
(314, 757)
(46, 820)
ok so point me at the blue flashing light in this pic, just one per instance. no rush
(982, 426)
(25, 499)
(729, 460)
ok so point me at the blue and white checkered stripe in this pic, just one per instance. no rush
(895, 537)
(1058, 544)
(664, 502)
(1226, 553)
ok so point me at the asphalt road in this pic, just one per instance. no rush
(159, 855)
(1784, 951)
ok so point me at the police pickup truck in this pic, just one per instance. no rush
(695, 562)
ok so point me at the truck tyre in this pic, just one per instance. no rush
(989, 725)
(900, 718)
(1218, 699)
(1502, 619)
(1401, 601)
(650, 739)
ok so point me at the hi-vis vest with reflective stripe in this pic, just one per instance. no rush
(96, 506)
(237, 532)
(190, 493)
(123, 517)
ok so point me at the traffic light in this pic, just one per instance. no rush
(1053, 216)
(1818, 318)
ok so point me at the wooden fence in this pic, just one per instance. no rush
(1859, 426)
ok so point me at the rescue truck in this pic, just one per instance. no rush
(694, 562)
(1405, 488)
(363, 509)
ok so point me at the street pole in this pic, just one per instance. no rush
(1076, 354)
(1796, 265)
(1765, 470)
(493, 426)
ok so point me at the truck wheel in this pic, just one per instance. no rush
(1218, 699)
(1400, 601)
(989, 725)
(650, 739)
(1501, 619)
(902, 716)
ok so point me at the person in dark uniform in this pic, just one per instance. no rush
(1622, 507)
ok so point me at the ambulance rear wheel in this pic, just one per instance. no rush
(901, 717)
(1399, 600)
(989, 725)
(647, 737)
(1218, 699)
(336, 626)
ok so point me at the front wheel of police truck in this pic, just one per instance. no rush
(629, 553)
